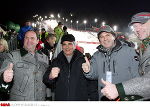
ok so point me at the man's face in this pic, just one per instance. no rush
(28, 23)
(43, 31)
(68, 48)
(106, 40)
(141, 30)
(51, 41)
(30, 41)
(60, 26)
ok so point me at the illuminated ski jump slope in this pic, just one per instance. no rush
(86, 39)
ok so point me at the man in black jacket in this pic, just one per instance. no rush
(66, 70)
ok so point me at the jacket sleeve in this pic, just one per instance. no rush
(135, 89)
(139, 86)
(46, 80)
(134, 63)
(4, 87)
(93, 74)
(6, 62)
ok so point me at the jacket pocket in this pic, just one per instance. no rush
(24, 84)
(22, 65)
(14, 97)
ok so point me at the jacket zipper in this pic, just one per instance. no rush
(114, 66)
(69, 82)
(103, 67)
(69, 76)
(109, 63)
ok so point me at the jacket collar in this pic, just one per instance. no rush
(77, 54)
(23, 52)
(117, 47)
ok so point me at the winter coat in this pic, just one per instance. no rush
(120, 61)
(71, 84)
(47, 49)
(137, 88)
(28, 74)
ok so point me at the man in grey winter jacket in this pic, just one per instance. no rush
(114, 61)
(139, 86)
(25, 69)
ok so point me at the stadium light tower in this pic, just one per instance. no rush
(77, 24)
(71, 14)
(96, 20)
(58, 15)
(85, 22)
(66, 20)
(103, 23)
(52, 16)
(71, 23)
(45, 17)
(115, 28)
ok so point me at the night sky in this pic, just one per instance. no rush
(112, 11)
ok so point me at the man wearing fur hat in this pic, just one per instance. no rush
(114, 61)
(66, 70)
(139, 86)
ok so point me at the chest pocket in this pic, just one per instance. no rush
(145, 66)
(22, 65)
(21, 76)
(21, 69)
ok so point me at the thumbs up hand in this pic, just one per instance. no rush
(8, 73)
(110, 90)
(86, 66)
(54, 72)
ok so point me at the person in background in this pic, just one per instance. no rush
(124, 38)
(22, 32)
(49, 46)
(43, 35)
(58, 31)
(4, 87)
(3, 50)
(93, 84)
(80, 48)
(88, 55)
(65, 30)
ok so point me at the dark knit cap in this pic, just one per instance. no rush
(68, 37)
